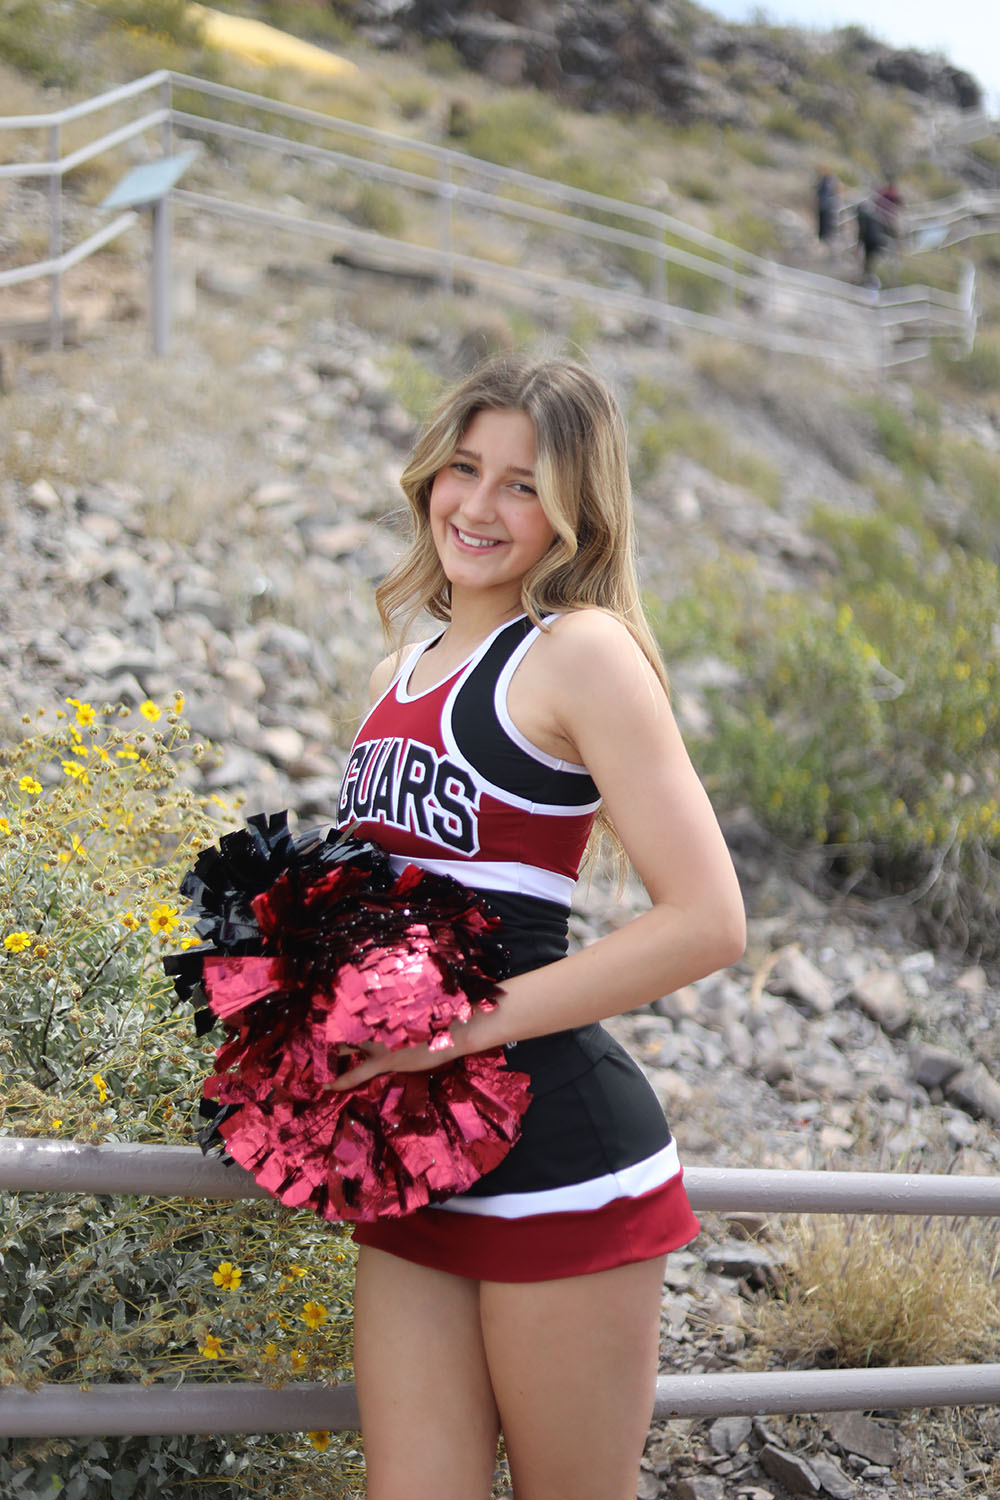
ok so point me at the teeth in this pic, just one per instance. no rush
(475, 541)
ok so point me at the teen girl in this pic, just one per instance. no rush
(531, 1302)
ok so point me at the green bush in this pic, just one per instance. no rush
(867, 723)
(98, 818)
(519, 129)
(979, 370)
(663, 423)
(35, 39)
(168, 20)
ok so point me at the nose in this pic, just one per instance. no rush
(479, 503)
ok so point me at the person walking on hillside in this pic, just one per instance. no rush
(827, 208)
(529, 1303)
(878, 223)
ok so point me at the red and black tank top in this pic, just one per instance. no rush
(445, 778)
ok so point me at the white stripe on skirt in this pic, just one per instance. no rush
(630, 1182)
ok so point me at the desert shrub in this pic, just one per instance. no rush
(168, 20)
(786, 121)
(378, 208)
(99, 815)
(663, 423)
(978, 370)
(905, 441)
(868, 719)
(316, 22)
(37, 39)
(861, 1291)
(518, 129)
(413, 384)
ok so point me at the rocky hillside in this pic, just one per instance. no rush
(673, 58)
(214, 523)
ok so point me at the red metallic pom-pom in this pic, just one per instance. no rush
(316, 946)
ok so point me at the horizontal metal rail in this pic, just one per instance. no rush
(203, 1408)
(71, 257)
(867, 330)
(88, 106)
(35, 1164)
(49, 1166)
(427, 257)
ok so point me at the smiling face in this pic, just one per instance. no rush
(486, 519)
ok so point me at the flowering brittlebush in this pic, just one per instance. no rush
(134, 1289)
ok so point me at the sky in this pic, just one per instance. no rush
(966, 31)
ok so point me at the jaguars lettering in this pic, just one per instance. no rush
(409, 786)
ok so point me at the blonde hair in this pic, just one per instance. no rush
(583, 484)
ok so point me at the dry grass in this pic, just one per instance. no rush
(858, 1291)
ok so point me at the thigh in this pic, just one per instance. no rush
(428, 1419)
(573, 1366)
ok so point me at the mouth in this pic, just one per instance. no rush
(480, 543)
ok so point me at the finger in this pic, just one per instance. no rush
(370, 1068)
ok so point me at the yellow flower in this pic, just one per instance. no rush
(85, 715)
(299, 1271)
(77, 848)
(211, 1348)
(29, 784)
(227, 1276)
(41, 950)
(130, 921)
(16, 942)
(319, 1440)
(4, 825)
(178, 703)
(82, 750)
(73, 769)
(163, 919)
(189, 942)
(127, 753)
(314, 1315)
(270, 1352)
(298, 1359)
(100, 1086)
(55, 1124)
(149, 710)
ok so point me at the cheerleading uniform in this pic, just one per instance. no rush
(444, 779)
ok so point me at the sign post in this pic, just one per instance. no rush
(149, 186)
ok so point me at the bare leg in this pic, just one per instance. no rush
(573, 1366)
(428, 1416)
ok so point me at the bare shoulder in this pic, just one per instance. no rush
(383, 675)
(590, 644)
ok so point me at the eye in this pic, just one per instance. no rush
(462, 467)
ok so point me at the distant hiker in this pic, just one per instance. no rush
(872, 239)
(888, 201)
(827, 207)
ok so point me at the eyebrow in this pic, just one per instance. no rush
(512, 468)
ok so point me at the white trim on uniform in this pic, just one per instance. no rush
(496, 875)
(501, 794)
(463, 669)
(503, 714)
(596, 1192)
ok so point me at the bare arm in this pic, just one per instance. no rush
(612, 713)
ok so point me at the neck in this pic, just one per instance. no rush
(475, 616)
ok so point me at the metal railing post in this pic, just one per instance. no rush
(659, 287)
(446, 193)
(55, 240)
(167, 103)
(160, 273)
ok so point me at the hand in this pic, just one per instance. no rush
(377, 1058)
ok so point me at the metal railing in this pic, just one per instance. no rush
(196, 1407)
(773, 306)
